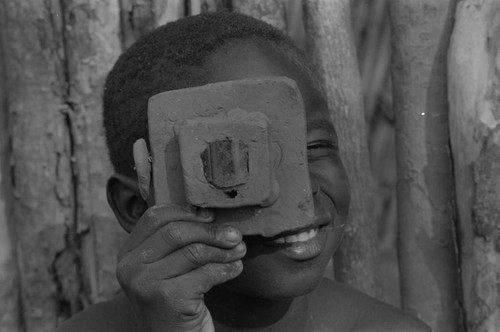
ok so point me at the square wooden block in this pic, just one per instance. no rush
(225, 159)
(219, 106)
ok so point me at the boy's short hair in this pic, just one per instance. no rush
(169, 58)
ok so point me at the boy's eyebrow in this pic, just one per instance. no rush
(318, 123)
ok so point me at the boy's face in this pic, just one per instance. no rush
(272, 268)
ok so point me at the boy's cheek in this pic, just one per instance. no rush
(333, 181)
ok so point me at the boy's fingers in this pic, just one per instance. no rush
(192, 257)
(158, 216)
(201, 280)
(178, 234)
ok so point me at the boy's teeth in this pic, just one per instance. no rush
(301, 237)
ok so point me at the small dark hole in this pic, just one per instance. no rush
(231, 193)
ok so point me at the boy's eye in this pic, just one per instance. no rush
(319, 149)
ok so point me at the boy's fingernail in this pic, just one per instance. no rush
(240, 247)
(204, 213)
(238, 266)
(232, 235)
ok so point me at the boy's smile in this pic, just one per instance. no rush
(291, 263)
(301, 246)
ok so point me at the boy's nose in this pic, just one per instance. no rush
(315, 187)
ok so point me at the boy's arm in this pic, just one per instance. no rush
(172, 258)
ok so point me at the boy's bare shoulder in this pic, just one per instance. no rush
(335, 304)
(114, 315)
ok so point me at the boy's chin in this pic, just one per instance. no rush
(279, 288)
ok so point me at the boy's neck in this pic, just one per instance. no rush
(233, 312)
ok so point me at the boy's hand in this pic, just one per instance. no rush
(172, 258)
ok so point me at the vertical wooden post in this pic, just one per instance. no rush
(166, 11)
(138, 17)
(43, 202)
(427, 255)
(91, 45)
(9, 295)
(269, 11)
(329, 36)
(474, 94)
(54, 68)
(204, 6)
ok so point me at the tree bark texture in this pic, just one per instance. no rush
(91, 45)
(56, 61)
(474, 95)
(269, 11)
(205, 6)
(330, 42)
(41, 169)
(9, 297)
(427, 250)
(141, 16)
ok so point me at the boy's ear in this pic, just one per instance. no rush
(125, 200)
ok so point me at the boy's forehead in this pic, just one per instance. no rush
(239, 60)
(248, 59)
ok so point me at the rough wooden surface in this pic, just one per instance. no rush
(9, 297)
(474, 91)
(226, 160)
(67, 239)
(428, 267)
(91, 46)
(330, 41)
(269, 11)
(204, 6)
(41, 163)
(138, 17)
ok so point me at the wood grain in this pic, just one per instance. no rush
(428, 268)
(9, 297)
(474, 90)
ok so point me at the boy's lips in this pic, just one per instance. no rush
(319, 222)
(302, 244)
(300, 237)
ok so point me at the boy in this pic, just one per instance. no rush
(180, 270)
